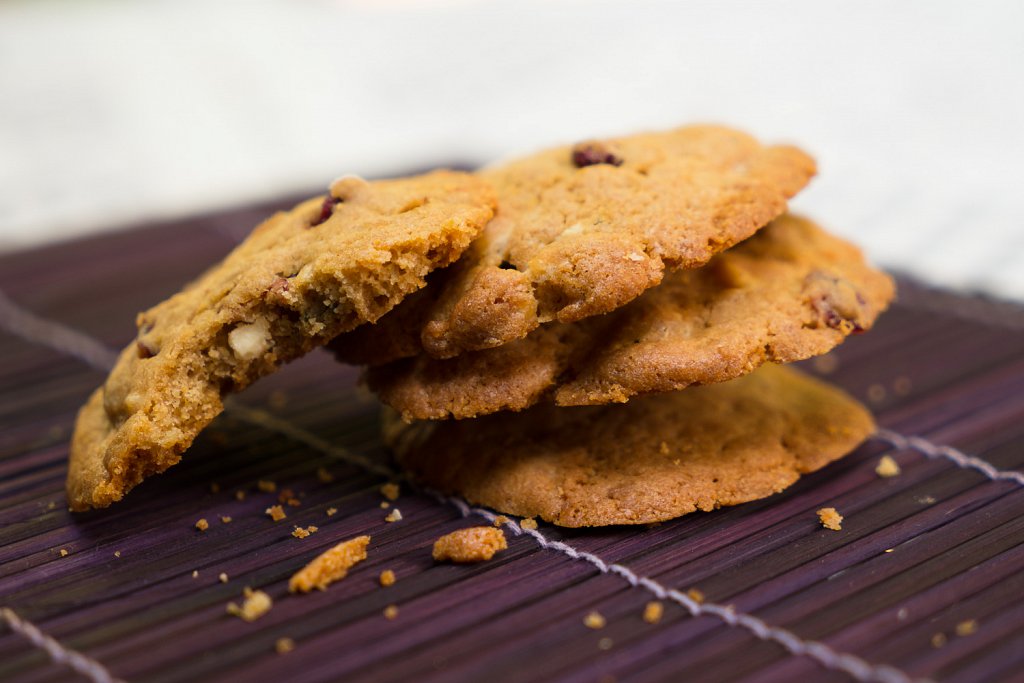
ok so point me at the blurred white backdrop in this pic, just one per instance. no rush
(113, 111)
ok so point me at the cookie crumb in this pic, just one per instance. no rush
(653, 612)
(967, 628)
(889, 550)
(323, 476)
(926, 500)
(52, 505)
(266, 486)
(332, 511)
(387, 578)
(285, 495)
(299, 532)
(938, 640)
(394, 516)
(605, 644)
(475, 544)
(224, 519)
(63, 552)
(390, 491)
(284, 645)
(594, 620)
(500, 520)
(223, 577)
(384, 505)
(902, 613)
(117, 553)
(830, 519)
(255, 605)
(276, 513)
(195, 573)
(530, 524)
(239, 495)
(887, 467)
(391, 611)
(293, 502)
(330, 566)
(696, 595)
(202, 524)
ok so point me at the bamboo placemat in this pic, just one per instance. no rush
(923, 581)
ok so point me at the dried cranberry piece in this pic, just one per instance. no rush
(592, 153)
(325, 210)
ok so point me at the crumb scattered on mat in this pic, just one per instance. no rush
(529, 523)
(887, 467)
(223, 577)
(239, 495)
(63, 552)
(299, 532)
(938, 640)
(966, 628)
(195, 573)
(474, 544)
(500, 520)
(390, 491)
(653, 612)
(387, 578)
(266, 486)
(330, 566)
(332, 511)
(225, 519)
(594, 620)
(391, 611)
(696, 595)
(323, 476)
(830, 519)
(276, 513)
(284, 645)
(255, 605)
(117, 553)
(202, 524)
(394, 516)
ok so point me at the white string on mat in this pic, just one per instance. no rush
(60, 654)
(66, 340)
(961, 459)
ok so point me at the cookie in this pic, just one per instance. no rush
(790, 292)
(583, 230)
(653, 459)
(298, 280)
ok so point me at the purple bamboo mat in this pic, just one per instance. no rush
(923, 581)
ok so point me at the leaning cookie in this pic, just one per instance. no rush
(653, 459)
(583, 230)
(298, 280)
(790, 292)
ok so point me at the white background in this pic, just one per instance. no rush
(114, 112)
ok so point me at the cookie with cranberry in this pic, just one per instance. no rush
(656, 458)
(298, 280)
(790, 292)
(583, 230)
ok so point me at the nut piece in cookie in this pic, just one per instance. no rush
(652, 459)
(300, 279)
(582, 230)
(330, 566)
(790, 292)
(475, 544)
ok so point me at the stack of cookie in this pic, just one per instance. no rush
(550, 369)
(615, 275)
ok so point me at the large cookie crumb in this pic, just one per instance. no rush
(330, 566)
(475, 544)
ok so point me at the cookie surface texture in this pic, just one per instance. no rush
(651, 460)
(790, 292)
(299, 279)
(582, 230)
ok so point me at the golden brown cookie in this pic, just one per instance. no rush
(298, 280)
(583, 230)
(653, 459)
(790, 292)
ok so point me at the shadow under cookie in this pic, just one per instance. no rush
(653, 459)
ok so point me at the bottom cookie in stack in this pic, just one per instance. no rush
(653, 459)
